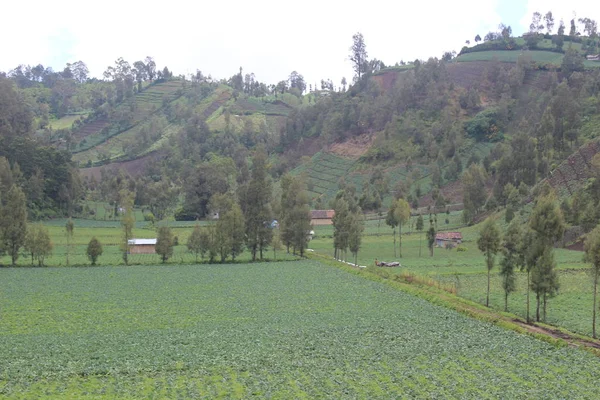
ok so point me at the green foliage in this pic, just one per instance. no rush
(13, 222)
(94, 250)
(165, 243)
(486, 126)
(38, 243)
(592, 255)
(474, 194)
(256, 200)
(489, 243)
(513, 258)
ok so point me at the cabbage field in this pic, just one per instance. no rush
(264, 330)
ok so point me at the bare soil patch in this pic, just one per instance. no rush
(353, 147)
(133, 167)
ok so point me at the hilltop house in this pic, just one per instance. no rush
(448, 239)
(141, 246)
(321, 217)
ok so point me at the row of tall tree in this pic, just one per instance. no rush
(528, 248)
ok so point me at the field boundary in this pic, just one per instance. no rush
(551, 334)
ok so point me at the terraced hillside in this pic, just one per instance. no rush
(574, 172)
(324, 172)
(132, 112)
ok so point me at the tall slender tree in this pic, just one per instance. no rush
(548, 225)
(391, 220)
(358, 55)
(256, 205)
(420, 230)
(341, 227)
(402, 212)
(431, 237)
(13, 222)
(513, 258)
(127, 222)
(592, 255)
(69, 230)
(489, 244)
(357, 226)
(164, 243)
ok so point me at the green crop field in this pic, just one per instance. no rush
(274, 330)
(466, 270)
(324, 171)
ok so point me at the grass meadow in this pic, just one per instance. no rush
(265, 330)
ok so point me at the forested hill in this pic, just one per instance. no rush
(477, 131)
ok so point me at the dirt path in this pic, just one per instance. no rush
(557, 334)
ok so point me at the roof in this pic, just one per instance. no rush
(322, 214)
(448, 236)
(141, 242)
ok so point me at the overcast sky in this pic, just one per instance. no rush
(269, 38)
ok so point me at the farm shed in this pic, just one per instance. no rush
(321, 217)
(448, 239)
(142, 246)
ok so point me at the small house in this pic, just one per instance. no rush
(141, 246)
(321, 217)
(448, 239)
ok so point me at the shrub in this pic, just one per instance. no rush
(461, 248)
(94, 250)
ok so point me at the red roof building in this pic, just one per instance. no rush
(448, 239)
(321, 217)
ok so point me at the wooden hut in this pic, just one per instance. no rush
(141, 246)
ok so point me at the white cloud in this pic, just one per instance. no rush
(269, 38)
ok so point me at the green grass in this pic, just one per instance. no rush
(65, 122)
(542, 57)
(570, 309)
(110, 235)
(276, 330)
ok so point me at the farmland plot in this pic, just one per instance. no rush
(288, 330)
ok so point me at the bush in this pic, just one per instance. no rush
(94, 250)
(461, 248)
(149, 217)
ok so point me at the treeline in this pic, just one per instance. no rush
(528, 246)
(46, 176)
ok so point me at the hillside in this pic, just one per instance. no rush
(515, 107)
